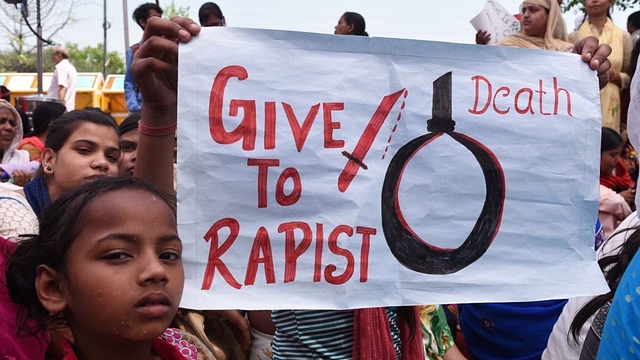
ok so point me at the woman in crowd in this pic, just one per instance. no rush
(351, 23)
(11, 133)
(617, 189)
(81, 146)
(42, 117)
(599, 24)
(211, 15)
(538, 23)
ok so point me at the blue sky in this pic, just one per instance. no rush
(416, 19)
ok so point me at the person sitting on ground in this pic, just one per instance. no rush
(42, 116)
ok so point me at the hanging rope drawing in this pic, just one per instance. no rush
(409, 249)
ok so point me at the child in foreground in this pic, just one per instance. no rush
(107, 264)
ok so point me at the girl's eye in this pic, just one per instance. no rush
(170, 256)
(112, 158)
(84, 150)
(116, 256)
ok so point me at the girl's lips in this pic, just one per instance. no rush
(153, 310)
(154, 304)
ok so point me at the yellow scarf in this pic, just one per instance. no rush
(610, 94)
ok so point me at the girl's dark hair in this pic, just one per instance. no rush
(613, 267)
(610, 140)
(61, 129)
(59, 227)
(355, 19)
(44, 114)
(130, 123)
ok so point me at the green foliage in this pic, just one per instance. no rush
(172, 10)
(579, 4)
(86, 59)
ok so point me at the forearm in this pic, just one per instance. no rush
(63, 92)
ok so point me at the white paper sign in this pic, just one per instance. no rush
(333, 172)
(497, 21)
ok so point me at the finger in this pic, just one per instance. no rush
(176, 28)
(599, 58)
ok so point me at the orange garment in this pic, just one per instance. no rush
(33, 145)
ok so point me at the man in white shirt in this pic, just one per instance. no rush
(63, 82)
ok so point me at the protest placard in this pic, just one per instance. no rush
(496, 20)
(333, 172)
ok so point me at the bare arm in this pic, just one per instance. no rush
(155, 70)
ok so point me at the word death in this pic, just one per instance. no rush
(294, 247)
(524, 100)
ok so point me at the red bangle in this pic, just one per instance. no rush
(157, 131)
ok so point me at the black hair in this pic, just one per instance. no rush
(634, 18)
(209, 9)
(61, 129)
(355, 19)
(142, 12)
(610, 140)
(613, 267)
(130, 123)
(60, 225)
(44, 114)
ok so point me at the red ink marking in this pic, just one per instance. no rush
(366, 140)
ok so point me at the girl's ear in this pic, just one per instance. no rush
(50, 289)
(47, 159)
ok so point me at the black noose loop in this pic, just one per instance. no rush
(409, 249)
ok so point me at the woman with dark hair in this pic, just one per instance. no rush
(42, 116)
(211, 15)
(81, 146)
(351, 23)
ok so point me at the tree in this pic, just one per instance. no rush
(86, 59)
(579, 4)
(172, 10)
(16, 20)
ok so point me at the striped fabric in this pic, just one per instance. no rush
(320, 334)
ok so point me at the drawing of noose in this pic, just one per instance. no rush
(409, 249)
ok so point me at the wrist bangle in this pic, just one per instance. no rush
(157, 131)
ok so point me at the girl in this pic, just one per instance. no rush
(100, 269)
(616, 186)
(81, 146)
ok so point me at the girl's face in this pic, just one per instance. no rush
(533, 19)
(123, 275)
(597, 7)
(90, 152)
(343, 28)
(8, 128)
(609, 160)
(128, 152)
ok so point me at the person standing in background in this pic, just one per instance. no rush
(211, 15)
(132, 96)
(63, 82)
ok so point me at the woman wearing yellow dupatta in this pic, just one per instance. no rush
(538, 23)
(600, 25)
